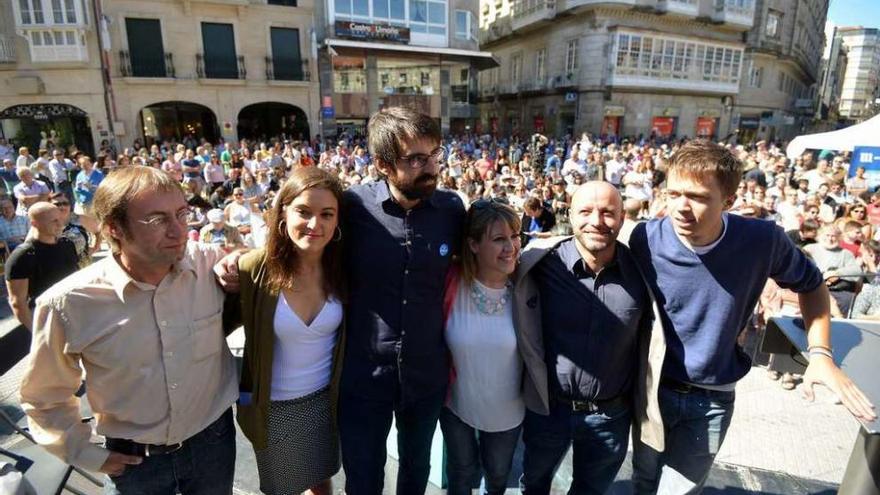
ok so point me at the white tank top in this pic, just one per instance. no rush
(303, 357)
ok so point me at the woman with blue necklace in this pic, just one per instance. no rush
(483, 415)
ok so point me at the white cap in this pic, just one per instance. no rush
(215, 215)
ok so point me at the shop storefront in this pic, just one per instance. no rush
(373, 66)
(46, 126)
(663, 127)
(707, 123)
(612, 120)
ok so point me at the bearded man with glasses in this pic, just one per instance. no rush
(146, 325)
(400, 234)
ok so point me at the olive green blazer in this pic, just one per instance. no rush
(258, 304)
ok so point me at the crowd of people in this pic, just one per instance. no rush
(499, 286)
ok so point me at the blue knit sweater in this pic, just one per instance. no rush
(707, 299)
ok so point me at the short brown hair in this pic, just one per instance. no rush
(702, 159)
(388, 126)
(480, 217)
(119, 188)
(281, 254)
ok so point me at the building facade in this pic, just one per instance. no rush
(777, 97)
(210, 69)
(377, 53)
(623, 68)
(51, 65)
(831, 80)
(861, 79)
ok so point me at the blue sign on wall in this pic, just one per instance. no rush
(868, 157)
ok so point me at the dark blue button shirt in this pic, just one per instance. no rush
(396, 261)
(590, 323)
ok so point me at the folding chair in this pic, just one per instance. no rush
(45, 472)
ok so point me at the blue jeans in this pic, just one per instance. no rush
(467, 448)
(599, 440)
(205, 465)
(695, 424)
(364, 423)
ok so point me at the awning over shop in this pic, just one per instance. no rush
(482, 60)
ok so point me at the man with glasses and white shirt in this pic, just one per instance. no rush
(146, 326)
(400, 234)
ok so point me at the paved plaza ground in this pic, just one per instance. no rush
(777, 443)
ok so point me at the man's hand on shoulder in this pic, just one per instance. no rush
(226, 271)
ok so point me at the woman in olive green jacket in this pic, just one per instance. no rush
(291, 301)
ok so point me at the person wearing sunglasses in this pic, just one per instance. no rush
(401, 234)
(82, 230)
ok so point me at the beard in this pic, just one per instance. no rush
(593, 243)
(422, 187)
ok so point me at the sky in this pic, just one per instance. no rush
(855, 13)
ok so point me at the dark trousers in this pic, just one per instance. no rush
(599, 440)
(364, 423)
(204, 465)
(468, 448)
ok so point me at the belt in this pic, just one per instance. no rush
(591, 406)
(683, 388)
(130, 447)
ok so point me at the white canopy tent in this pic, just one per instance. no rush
(865, 134)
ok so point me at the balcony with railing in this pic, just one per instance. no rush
(532, 14)
(139, 67)
(499, 28)
(736, 13)
(7, 49)
(687, 8)
(287, 69)
(220, 68)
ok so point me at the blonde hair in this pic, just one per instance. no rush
(480, 217)
(119, 188)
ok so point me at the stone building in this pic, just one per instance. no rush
(212, 69)
(861, 79)
(781, 70)
(624, 68)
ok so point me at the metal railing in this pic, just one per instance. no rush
(287, 69)
(129, 67)
(7, 48)
(220, 69)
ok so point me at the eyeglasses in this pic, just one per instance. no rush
(419, 160)
(61, 204)
(161, 221)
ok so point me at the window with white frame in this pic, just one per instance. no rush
(427, 16)
(49, 12)
(515, 68)
(389, 11)
(540, 65)
(571, 56)
(774, 23)
(464, 25)
(756, 74)
(31, 12)
(642, 55)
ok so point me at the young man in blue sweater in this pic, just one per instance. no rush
(707, 270)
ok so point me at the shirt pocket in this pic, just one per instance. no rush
(207, 336)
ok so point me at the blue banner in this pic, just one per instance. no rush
(869, 158)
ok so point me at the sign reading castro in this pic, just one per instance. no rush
(362, 31)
